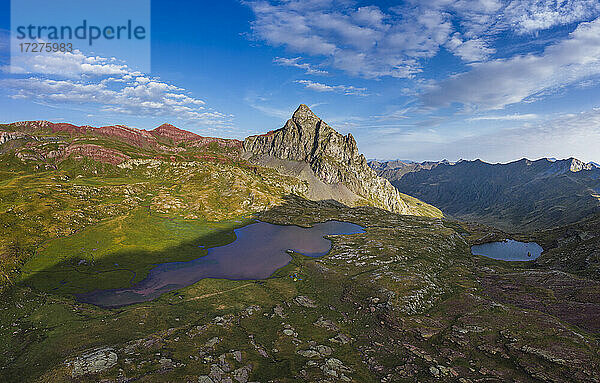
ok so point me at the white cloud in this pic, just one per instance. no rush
(566, 135)
(362, 41)
(369, 16)
(474, 16)
(142, 80)
(561, 136)
(265, 106)
(497, 83)
(295, 62)
(68, 64)
(368, 42)
(507, 117)
(526, 16)
(152, 98)
(373, 42)
(105, 84)
(348, 90)
(470, 50)
(399, 114)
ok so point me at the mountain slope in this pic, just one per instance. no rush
(333, 158)
(326, 164)
(403, 302)
(85, 208)
(57, 179)
(521, 195)
(394, 170)
(574, 248)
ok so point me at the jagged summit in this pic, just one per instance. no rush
(303, 109)
(305, 137)
(578, 165)
(333, 157)
(303, 113)
(306, 119)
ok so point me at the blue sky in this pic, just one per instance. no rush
(421, 80)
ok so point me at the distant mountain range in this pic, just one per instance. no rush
(394, 170)
(517, 196)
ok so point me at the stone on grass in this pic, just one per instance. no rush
(93, 361)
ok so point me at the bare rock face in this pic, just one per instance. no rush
(96, 152)
(93, 362)
(577, 165)
(334, 158)
(7, 136)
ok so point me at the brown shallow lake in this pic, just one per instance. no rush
(258, 251)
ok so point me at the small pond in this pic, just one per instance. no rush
(508, 250)
(258, 251)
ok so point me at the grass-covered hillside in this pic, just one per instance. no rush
(405, 301)
(58, 179)
(83, 209)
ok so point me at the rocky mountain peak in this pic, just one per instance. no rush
(578, 165)
(305, 117)
(333, 157)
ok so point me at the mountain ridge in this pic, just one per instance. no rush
(335, 169)
(381, 165)
(520, 195)
(405, 300)
(134, 136)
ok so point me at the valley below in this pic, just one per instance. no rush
(161, 256)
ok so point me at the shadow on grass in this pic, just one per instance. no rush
(120, 269)
(127, 277)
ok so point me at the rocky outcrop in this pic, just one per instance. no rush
(93, 362)
(333, 158)
(578, 165)
(223, 142)
(96, 152)
(7, 136)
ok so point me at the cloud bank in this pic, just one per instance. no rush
(105, 85)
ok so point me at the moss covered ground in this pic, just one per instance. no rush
(403, 302)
